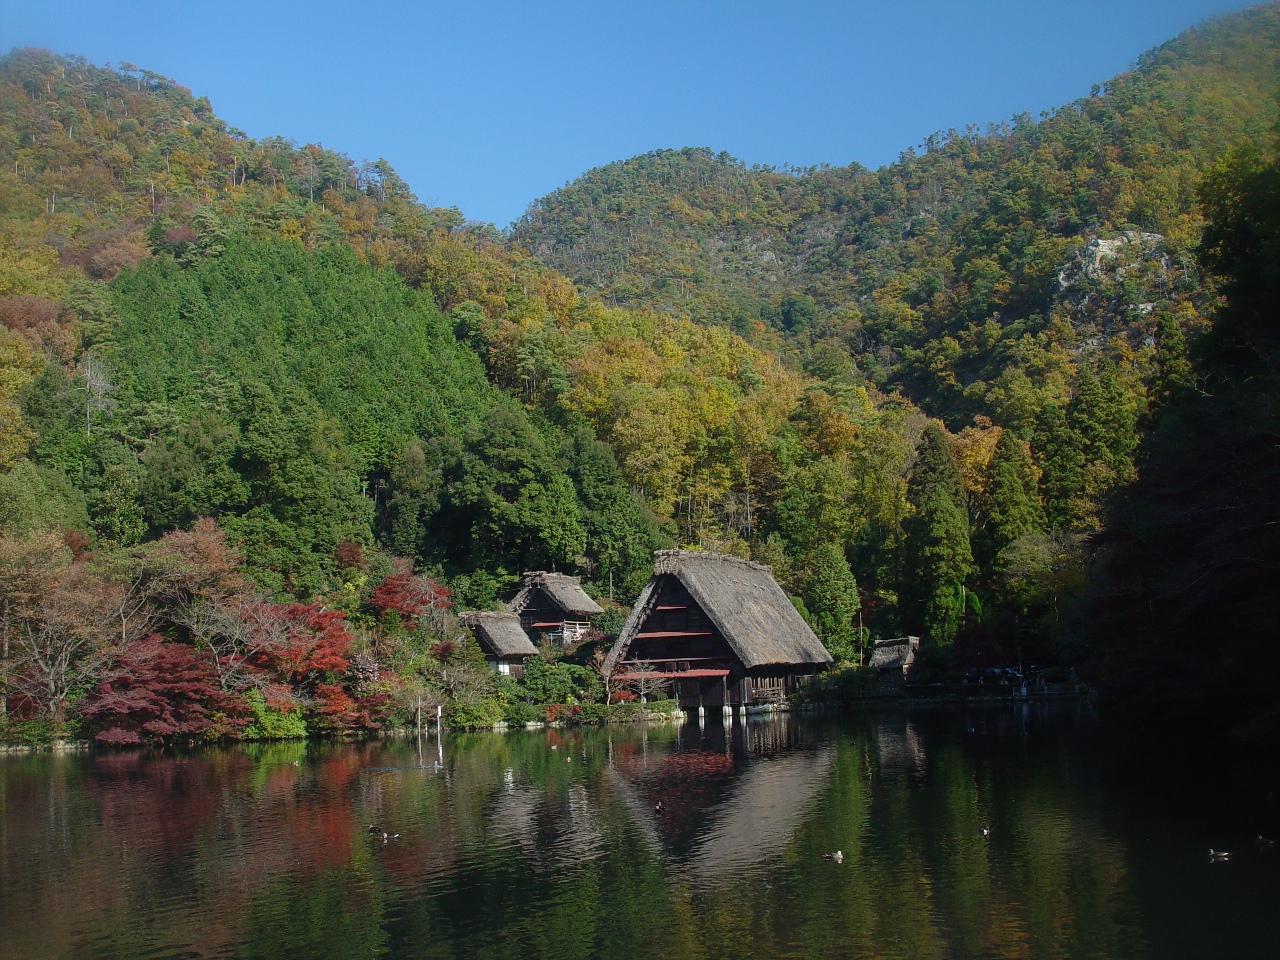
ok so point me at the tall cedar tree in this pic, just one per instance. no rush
(830, 594)
(1105, 423)
(1060, 452)
(1014, 497)
(938, 555)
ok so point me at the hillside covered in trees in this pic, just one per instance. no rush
(977, 272)
(915, 392)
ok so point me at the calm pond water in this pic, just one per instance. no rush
(547, 844)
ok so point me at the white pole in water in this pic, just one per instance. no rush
(439, 734)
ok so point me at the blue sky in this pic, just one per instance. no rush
(488, 106)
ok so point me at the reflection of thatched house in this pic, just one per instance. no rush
(554, 604)
(721, 816)
(899, 748)
(505, 644)
(894, 658)
(721, 628)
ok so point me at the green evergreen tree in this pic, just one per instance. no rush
(413, 495)
(1013, 496)
(1101, 416)
(1171, 357)
(1088, 415)
(1059, 450)
(938, 557)
(830, 595)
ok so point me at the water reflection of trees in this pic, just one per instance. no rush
(515, 848)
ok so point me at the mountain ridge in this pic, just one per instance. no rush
(882, 254)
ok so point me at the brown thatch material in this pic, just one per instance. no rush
(896, 654)
(563, 590)
(743, 601)
(499, 634)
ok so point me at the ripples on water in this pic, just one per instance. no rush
(548, 844)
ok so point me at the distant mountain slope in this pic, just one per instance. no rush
(905, 268)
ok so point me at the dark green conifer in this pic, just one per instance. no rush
(1104, 421)
(1171, 357)
(1013, 496)
(1059, 450)
(830, 595)
(937, 552)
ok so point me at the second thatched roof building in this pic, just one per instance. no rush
(719, 629)
(554, 605)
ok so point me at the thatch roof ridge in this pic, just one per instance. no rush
(668, 561)
(500, 631)
(565, 590)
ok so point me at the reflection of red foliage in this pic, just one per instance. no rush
(162, 691)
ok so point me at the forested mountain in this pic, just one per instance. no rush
(975, 273)
(268, 362)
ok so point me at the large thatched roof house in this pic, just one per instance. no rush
(505, 644)
(721, 628)
(555, 605)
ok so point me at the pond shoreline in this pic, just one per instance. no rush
(651, 718)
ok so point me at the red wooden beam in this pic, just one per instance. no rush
(674, 675)
(661, 634)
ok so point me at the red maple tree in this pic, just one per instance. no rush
(411, 598)
(159, 691)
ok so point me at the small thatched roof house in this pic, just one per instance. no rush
(894, 656)
(721, 627)
(505, 644)
(554, 604)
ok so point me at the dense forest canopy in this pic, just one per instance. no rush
(922, 394)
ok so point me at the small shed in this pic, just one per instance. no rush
(720, 629)
(894, 657)
(505, 644)
(555, 605)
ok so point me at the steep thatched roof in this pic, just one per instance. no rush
(565, 592)
(743, 601)
(500, 634)
(896, 654)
